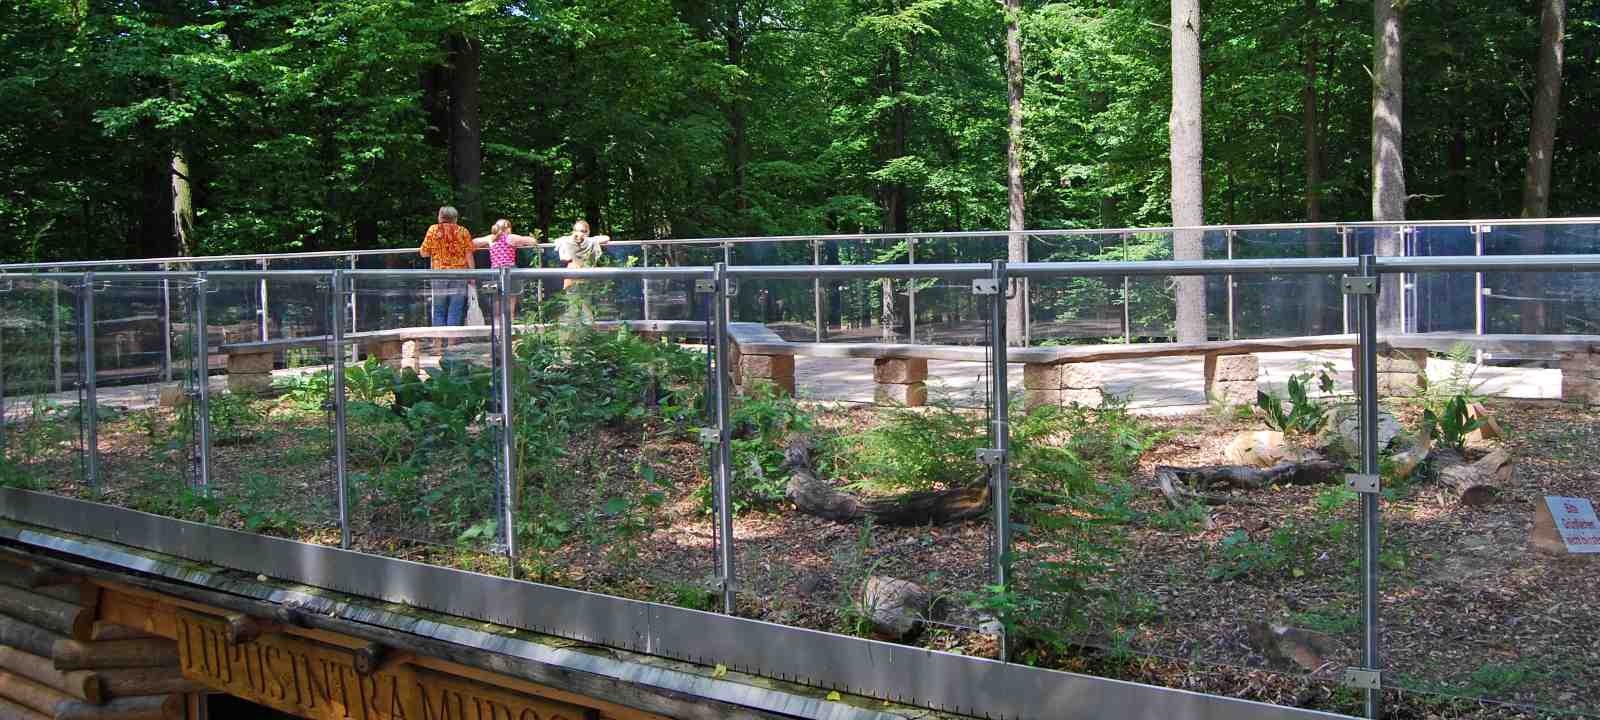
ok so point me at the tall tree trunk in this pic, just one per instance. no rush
(1546, 106)
(544, 182)
(182, 205)
(1315, 305)
(1188, 196)
(1017, 242)
(1541, 147)
(1388, 169)
(738, 139)
(893, 193)
(466, 149)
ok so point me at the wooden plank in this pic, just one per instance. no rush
(74, 621)
(81, 684)
(74, 655)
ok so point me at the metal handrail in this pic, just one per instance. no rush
(737, 240)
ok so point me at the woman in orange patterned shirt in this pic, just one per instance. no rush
(449, 247)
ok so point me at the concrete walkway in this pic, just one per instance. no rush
(1172, 384)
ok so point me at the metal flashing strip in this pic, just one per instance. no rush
(957, 683)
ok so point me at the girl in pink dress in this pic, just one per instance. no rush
(503, 247)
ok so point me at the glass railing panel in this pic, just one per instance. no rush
(1540, 302)
(1184, 535)
(146, 374)
(787, 306)
(423, 457)
(1287, 304)
(41, 439)
(1487, 519)
(1077, 310)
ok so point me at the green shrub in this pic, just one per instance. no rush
(1306, 415)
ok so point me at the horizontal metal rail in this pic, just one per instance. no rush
(944, 681)
(846, 237)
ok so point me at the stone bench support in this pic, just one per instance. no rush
(250, 372)
(900, 381)
(1061, 384)
(1231, 379)
(775, 369)
(1401, 372)
(1580, 377)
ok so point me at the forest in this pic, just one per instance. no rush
(166, 127)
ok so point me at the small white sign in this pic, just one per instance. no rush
(1576, 521)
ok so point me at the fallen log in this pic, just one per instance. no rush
(1473, 484)
(28, 638)
(74, 655)
(80, 684)
(74, 621)
(1315, 471)
(32, 576)
(815, 496)
(143, 682)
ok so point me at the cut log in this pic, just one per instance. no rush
(103, 631)
(368, 658)
(1476, 483)
(32, 695)
(815, 496)
(74, 592)
(33, 576)
(74, 655)
(143, 682)
(12, 711)
(1316, 471)
(74, 621)
(28, 638)
(158, 707)
(895, 608)
(1291, 648)
(80, 684)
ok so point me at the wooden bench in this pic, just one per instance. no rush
(250, 364)
(1068, 375)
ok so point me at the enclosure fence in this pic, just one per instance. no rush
(76, 345)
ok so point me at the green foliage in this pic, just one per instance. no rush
(1451, 426)
(763, 420)
(1306, 415)
(1460, 383)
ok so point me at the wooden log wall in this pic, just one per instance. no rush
(60, 661)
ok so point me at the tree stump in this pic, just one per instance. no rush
(895, 608)
(1474, 484)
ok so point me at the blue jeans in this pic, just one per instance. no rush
(449, 302)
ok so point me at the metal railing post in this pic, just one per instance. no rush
(1367, 388)
(202, 392)
(508, 438)
(645, 282)
(55, 331)
(911, 290)
(340, 470)
(1000, 436)
(89, 408)
(1127, 299)
(724, 479)
(1229, 278)
(1344, 251)
(264, 314)
(816, 287)
(727, 301)
(166, 326)
(1479, 297)
(355, 319)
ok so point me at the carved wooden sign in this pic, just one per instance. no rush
(320, 682)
